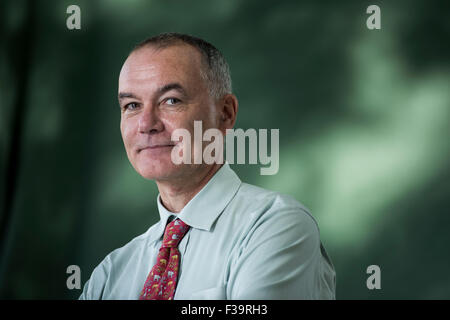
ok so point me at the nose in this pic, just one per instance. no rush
(149, 121)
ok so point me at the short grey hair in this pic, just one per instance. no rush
(217, 72)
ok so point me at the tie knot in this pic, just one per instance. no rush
(175, 231)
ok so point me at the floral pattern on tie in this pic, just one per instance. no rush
(162, 279)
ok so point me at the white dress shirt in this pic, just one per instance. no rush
(245, 242)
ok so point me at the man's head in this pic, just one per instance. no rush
(166, 83)
(215, 70)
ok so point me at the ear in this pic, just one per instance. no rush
(229, 109)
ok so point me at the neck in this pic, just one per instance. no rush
(176, 194)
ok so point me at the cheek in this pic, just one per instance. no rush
(209, 115)
(126, 128)
(170, 124)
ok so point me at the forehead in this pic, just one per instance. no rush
(150, 65)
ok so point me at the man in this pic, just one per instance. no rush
(218, 238)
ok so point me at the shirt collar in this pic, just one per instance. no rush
(202, 211)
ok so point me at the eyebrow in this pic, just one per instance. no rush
(160, 91)
(171, 86)
(123, 95)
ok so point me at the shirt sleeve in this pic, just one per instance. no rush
(282, 258)
(95, 286)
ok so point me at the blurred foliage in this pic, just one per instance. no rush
(364, 119)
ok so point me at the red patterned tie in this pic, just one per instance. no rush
(162, 280)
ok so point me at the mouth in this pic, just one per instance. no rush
(156, 147)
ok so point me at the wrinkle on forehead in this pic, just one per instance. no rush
(148, 60)
(139, 72)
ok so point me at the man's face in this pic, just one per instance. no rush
(161, 90)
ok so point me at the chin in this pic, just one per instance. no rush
(157, 170)
(157, 175)
(153, 166)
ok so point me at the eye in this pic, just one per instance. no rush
(130, 106)
(172, 101)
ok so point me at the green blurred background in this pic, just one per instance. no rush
(364, 119)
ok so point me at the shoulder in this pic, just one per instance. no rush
(133, 247)
(260, 203)
(102, 275)
(266, 214)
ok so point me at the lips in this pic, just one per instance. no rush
(156, 146)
